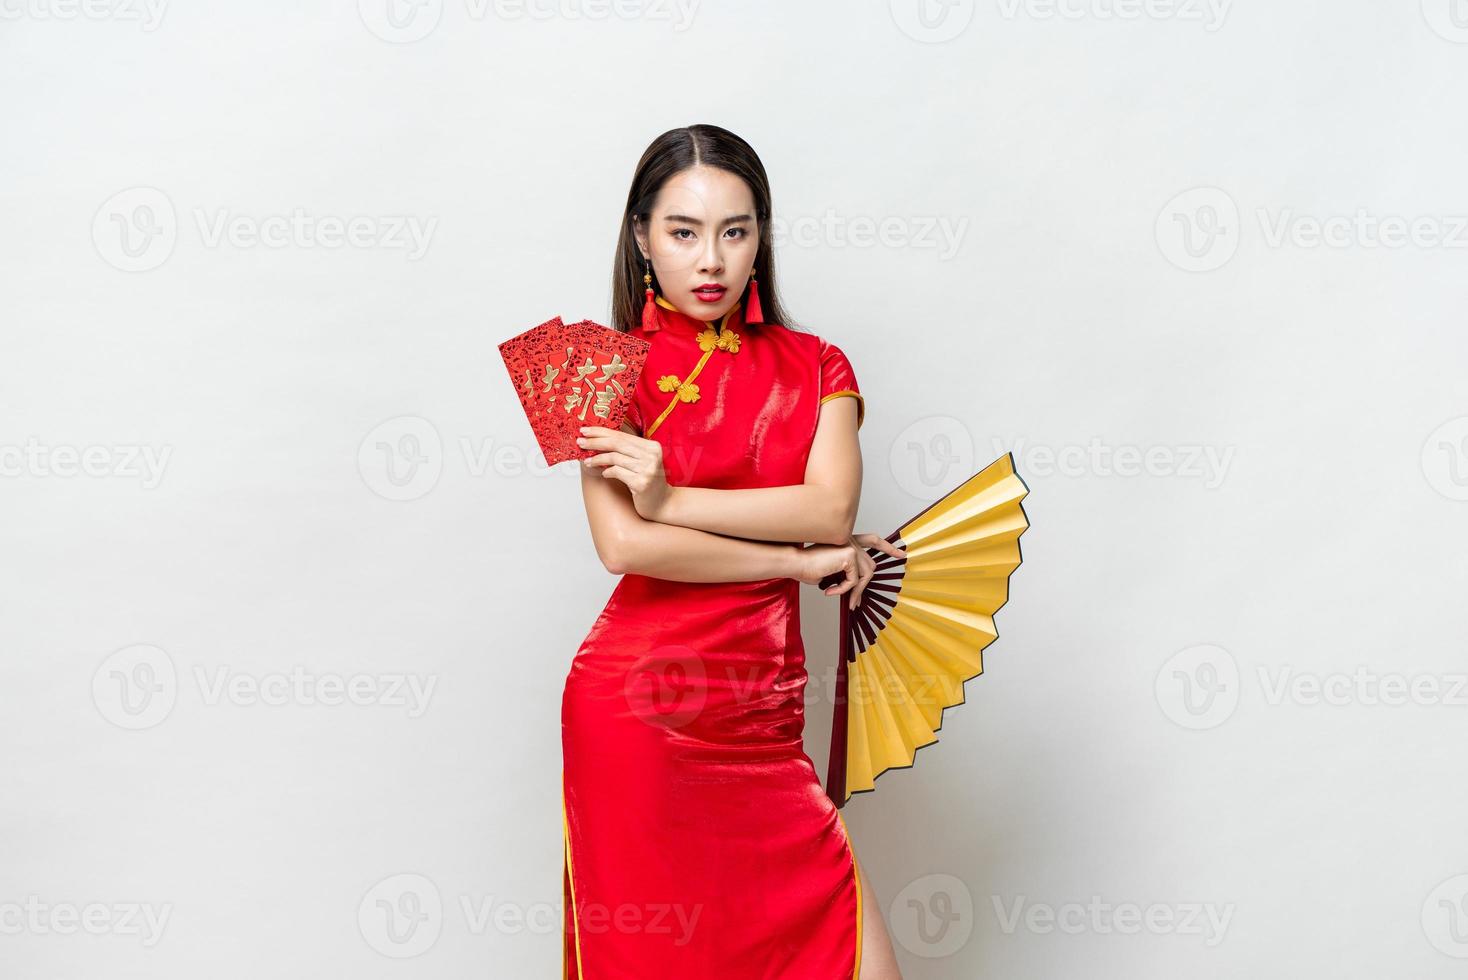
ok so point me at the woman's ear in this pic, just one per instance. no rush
(639, 232)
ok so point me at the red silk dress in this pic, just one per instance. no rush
(699, 843)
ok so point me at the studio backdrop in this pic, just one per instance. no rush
(290, 598)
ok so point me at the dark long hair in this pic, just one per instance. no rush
(669, 154)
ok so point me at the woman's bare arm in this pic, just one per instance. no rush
(822, 509)
(627, 542)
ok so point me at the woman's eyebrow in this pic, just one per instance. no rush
(685, 219)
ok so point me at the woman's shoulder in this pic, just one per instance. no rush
(816, 346)
(798, 340)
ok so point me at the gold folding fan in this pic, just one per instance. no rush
(921, 625)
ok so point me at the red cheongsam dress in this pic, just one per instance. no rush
(699, 843)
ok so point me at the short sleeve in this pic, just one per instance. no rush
(838, 380)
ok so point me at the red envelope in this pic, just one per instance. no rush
(573, 374)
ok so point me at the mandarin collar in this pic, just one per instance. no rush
(670, 315)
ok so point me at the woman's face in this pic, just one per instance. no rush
(701, 233)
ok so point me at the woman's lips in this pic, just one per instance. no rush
(710, 295)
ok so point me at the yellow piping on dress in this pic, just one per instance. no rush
(861, 403)
(696, 368)
(676, 397)
(575, 926)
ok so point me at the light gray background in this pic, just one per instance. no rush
(1245, 444)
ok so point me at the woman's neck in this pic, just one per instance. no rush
(718, 326)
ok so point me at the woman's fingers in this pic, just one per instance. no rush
(609, 459)
(865, 567)
(881, 544)
(601, 437)
(848, 573)
(619, 473)
(868, 568)
(854, 575)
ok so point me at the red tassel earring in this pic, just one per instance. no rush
(752, 312)
(649, 303)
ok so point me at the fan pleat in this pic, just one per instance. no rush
(892, 738)
(933, 679)
(990, 540)
(980, 497)
(946, 622)
(859, 771)
(900, 703)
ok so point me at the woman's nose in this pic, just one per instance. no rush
(711, 261)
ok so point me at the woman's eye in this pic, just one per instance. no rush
(680, 232)
(739, 232)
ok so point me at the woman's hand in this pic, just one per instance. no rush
(851, 560)
(636, 461)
